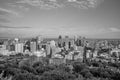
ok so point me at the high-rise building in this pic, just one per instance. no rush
(95, 54)
(33, 46)
(53, 48)
(39, 40)
(67, 42)
(75, 38)
(52, 43)
(119, 46)
(78, 40)
(60, 41)
(48, 49)
(11, 47)
(19, 47)
(88, 54)
(16, 40)
(2, 47)
(27, 46)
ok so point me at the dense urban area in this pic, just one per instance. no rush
(61, 58)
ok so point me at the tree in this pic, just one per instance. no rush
(26, 76)
(29, 69)
(11, 72)
(41, 69)
(37, 64)
(57, 75)
(64, 67)
(86, 73)
(78, 67)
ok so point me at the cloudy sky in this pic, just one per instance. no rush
(90, 18)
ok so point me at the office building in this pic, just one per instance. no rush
(33, 46)
(19, 47)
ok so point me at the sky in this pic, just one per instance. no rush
(51, 18)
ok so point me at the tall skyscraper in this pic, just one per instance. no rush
(19, 47)
(48, 49)
(33, 46)
(60, 41)
(52, 43)
(53, 48)
(78, 40)
(11, 47)
(39, 40)
(67, 40)
(2, 47)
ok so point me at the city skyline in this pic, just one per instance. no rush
(89, 18)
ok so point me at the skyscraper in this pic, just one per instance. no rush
(48, 49)
(19, 47)
(11, 47)
(33, 46)
(39, 40)
(53, 48)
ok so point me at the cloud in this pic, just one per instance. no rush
(6, 15)
(7, 11)
(12, 27)
(17, 6)
(43, 4)
(113, 29)
(4, 20)
(61, 3)
(85, 3)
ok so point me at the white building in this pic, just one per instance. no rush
(58, 56)
(95, 54)
(69, 56)
(3, 50)
(40, 53)
(33, 46)
(79, 56)
(52, 43)
(115, 52)
(88, 54)
(39, 39)
(19, 47)
(48, 49)
(53, 51)
(2, 47)
(119, 46)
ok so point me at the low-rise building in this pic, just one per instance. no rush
(115, 53)
(40, 53)
(69, 56)
(57, 61)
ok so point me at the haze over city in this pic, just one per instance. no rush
(89, 18)
(59, 39)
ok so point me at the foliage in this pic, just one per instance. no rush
(78, 67)
(5, 78)
(37, 64)
(24, 63)
(29, 69)
(21, 68)
(57, 75)
(86, 73)
(26, 76)
(64, 67)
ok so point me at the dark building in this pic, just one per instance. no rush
(65, 42)
(12, 47)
